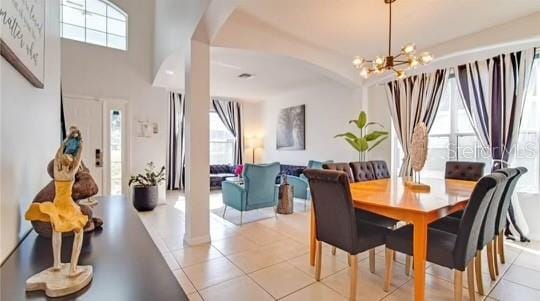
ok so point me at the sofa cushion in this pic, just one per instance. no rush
(222, 168)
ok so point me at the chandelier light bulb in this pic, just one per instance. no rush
(357, 62)
(409, 48)
(379, 61)
(400, 74)
(426, 57)
(413, 62)
(364, 72)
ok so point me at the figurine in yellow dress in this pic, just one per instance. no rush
(63, 213)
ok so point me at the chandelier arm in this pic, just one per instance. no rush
(400, 62)
(390, 30)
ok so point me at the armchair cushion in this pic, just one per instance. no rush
(234, 195)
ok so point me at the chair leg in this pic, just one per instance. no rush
(495, 261)
(354, 272)
(224, 210)
(490, 261)
(275, 211)
(501, 247)
(318, 261)
(241, 216)
(458, 285)
(334, 251)
(408, 265)
(470, 281)
(349, 260)
(478, 272)
(372, 261)
(389, 258)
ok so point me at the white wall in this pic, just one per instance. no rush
(101, 72)
(30, 134)
(329, 107)
(253, 127)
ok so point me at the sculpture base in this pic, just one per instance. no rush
(418, 186)
(59, 283)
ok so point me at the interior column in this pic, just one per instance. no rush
(197, 189)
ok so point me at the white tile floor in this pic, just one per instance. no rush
(268, 260)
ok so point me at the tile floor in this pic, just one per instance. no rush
(268, 260)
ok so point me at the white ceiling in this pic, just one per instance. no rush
(359, 27)
(272, 74)
(327, 34)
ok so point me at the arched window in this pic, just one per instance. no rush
(96, 22)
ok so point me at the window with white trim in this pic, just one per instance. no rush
(97, 22)
(452, 136)
(221, 142)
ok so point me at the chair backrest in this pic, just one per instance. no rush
(500, 223)
(317, 164)
(259, 181)
(362, 171)
(380, 169)
(344, 167)
(333, 207)
(461, 170)
(488, 226)
(473, 217)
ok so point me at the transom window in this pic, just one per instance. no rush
(96, 22)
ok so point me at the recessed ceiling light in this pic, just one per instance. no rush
(246, 75)
(169, 72)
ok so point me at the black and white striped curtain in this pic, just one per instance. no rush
(493, 92)
(230, 113)
(413, 100)
(176, 144)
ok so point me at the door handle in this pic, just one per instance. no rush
(99, 158)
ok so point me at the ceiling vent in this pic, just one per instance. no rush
(246, 75)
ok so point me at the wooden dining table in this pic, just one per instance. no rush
(392, 198)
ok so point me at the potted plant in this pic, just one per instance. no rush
(366, 141)
(145, 187)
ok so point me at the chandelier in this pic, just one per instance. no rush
(406, 59)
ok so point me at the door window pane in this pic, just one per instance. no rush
(116, 152)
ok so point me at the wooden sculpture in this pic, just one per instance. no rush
(419, 147)
(64, 215)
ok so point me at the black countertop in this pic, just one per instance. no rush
(127, 264)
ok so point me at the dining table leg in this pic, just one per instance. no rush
(312, 239)
(419, 258)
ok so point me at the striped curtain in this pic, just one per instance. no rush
(176, 144)
(230, 113)
(413, 100)
(493, 93)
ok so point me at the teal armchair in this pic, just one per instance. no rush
(258, 191)
(301, 184)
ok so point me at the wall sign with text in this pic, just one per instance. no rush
(22, 42)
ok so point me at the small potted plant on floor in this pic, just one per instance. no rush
(145, 187)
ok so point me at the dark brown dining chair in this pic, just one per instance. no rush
(462, 170)
(362, 171)
(380, 169)
(340, 166)
(500, 224)
(452, 250)
(337, 220)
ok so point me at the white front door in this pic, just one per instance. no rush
(87, 115)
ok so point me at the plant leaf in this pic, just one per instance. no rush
(374, 123)
(363, 144)
(377, 142)
(348, 135)
(375, 135)
(362, 120)
(355, 145)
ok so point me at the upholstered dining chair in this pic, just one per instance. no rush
(363, 215)
(362, 171)
(337, 221)
(258, 191)
(462, 170)
(500, 223)
(452, 250)
(301, 184)
(340, 166)
(380, 169)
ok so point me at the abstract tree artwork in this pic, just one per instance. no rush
(291, 128)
